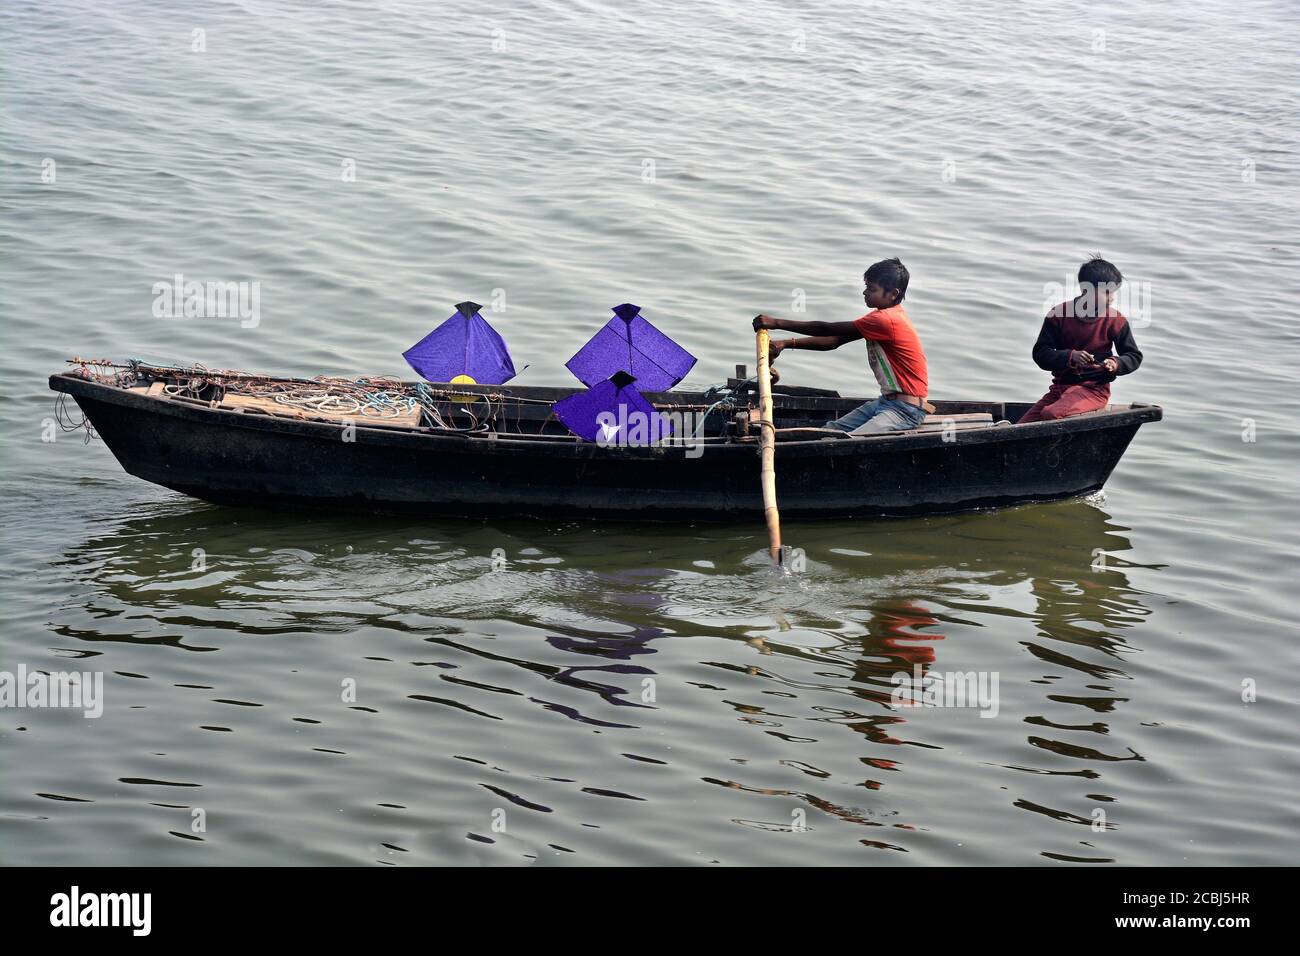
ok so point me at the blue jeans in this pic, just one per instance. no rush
(882, 415)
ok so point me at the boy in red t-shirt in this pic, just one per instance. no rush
(893, 348)
(1085, 343)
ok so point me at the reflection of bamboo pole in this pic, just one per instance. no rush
(767, 444)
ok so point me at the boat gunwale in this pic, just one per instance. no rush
(213, 412)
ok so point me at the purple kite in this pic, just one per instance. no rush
(612, 412)
(630, 344)
(463, 350)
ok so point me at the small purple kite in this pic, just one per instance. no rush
(612, 412)
(465, 349)
(630, 344)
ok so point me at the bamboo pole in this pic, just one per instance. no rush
(767, 446)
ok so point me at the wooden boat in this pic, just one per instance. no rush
(498, 450)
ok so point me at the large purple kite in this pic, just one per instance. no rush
(630, 344)
(612, 412)
(464, 349)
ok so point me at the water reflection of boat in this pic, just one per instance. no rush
(650, 583)
(582, 617)
(139, 553)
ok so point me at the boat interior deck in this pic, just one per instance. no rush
(525, 411)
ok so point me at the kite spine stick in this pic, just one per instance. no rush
(767, 446)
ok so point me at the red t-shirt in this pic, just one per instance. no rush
(894, 350)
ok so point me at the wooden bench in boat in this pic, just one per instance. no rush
(966, 421)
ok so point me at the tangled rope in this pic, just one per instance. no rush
(67, 423)
(381, 396)
(437, 401)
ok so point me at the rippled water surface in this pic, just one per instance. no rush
(347, 690)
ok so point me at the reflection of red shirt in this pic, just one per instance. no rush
(894, 350)
(902, 625)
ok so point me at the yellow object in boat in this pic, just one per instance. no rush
(464, 380)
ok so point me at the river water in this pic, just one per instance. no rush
(291, 688)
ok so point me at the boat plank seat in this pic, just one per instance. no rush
(963, 422)
(805, 434)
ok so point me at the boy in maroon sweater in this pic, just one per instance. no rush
(1085, 343)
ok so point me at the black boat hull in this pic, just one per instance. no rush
(231, 457)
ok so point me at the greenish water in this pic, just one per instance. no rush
(344, 690)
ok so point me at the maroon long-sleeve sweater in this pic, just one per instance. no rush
(1105, 337)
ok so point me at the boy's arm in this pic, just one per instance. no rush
(1127, 354)
(822, 336)
(1050, 358)
(810, 343)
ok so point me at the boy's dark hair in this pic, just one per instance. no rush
(889, 274)
(1098, 272)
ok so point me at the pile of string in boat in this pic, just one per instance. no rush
(378, 397)
(381, 396)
